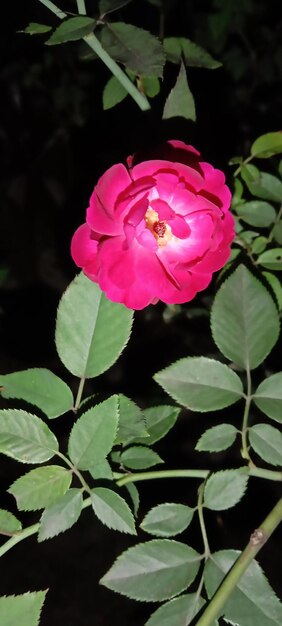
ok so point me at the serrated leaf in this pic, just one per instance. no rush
(268, 396)
(85, 315)
(178, 48)
(159, 421)
(101, 470)
(201, 384)
(93, 435)
(134, 496)
(136, 48)
(40, 387)
(257, 213)
(72, 29)
(61, 516)
(271, 259)
(267, 145)
(25, 437)
(217, 438)
(180, 101)
(41, 487)
(243, 310)
(153, 571)
(9, 524)
(178, 612)
(113, 93)
(252, 602)
(112, 510)
(276, 287)
(131, 421)
(267, 443)
(24, 609)
(224, 489)
(167, 520)
(34, 28)
(139, 457)
(107, 6)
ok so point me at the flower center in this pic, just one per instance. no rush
(159, 228)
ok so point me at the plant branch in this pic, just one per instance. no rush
(75, 471)
(52, 7)
(81, 7)
(79, 394)
(180, 473)
(257, 541)
(202, 521)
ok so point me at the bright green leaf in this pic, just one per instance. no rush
(101, 470)
(267, 145)
(267, 443)
(40, 387)
(217, 438)
(113, 93)
(268, 396)
(243, 311)
(252, 602)
(25, 437)
(180, 101)
(112, 510)
(153, 571)
(276, 287)
(36, 29)
(256, 213)
(139, 457)
(24, 610)
(224, 489)
(107, 6)
(41, 487)
(136, 48)
(167, 520)
(72, 29)
(178, 48)
(201, 384)
(271, 259)
(265, 186)
(249, 172)
(178, 612)
(61, 516)
(93, 435)
(131, 421)
(9, 524)
(159, 421)
(91, 330)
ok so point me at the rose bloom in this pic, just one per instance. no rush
(156, 229)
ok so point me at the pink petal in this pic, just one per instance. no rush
(153, 168)
(101, 215)
(83, 247)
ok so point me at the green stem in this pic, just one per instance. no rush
(259, 472)
(75, 471)
(181, 473)
(238, 170)
(94, 43)
(81, 7)
(202, 521)
(257, 541)
(245, 451)
(79, 394)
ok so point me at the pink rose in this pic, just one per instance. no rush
(157, 229)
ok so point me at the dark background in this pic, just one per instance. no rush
(55, 141)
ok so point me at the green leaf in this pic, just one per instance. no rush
(178, 48)
(159, 421)
(217, 438)
(259, 244)
(131, 421)
(267, 145)
(9, 524)
(72, 29)
(40, 387)
(36, 29)
(271, 259)
(178, 612)
(267, 443)
(93, 435)
(153, 571)
(280, 168)
(268, 396)
(41, 487)
(139, 457)
(101, 470)
(265, 186)
(61, 516)
(167, 520)
(24, 610)
(276, 287)
(277, 232)
(224, 489)
(91, 330)
(113, 93)
(201, 384)
(252, 602)
(256, 213)
(25, 437)
(151, 86)
(243, 311)
(112, 510)
(136, 48)
(107, 6)
(134, 496)
(180, 101)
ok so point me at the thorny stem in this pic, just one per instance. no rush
(202, 521)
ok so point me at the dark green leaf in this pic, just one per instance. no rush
(25, 437)
(9, 524)
(277, 232)
(259, 244)
(271, 259)
(180, 101)
(113, 93)
(153, 571)
(267, 145)
(131, 421)
(224, 489)
(276, 287)
(217, 438)
(61, 516)
(107, 6)
(112, 510)
(243, 310)
(178, 48)
(24, 610)
(267, 443)
(38, 386)
(41, 487)
(256, 213)
(159, 421)
(151, 86)
(36, 29)
(167, 520)
(265, 186)
(201, 384)
(72, 29)
(268, 397)
(178, 612)
(136, 48)
(139, 457)
(134, 496)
